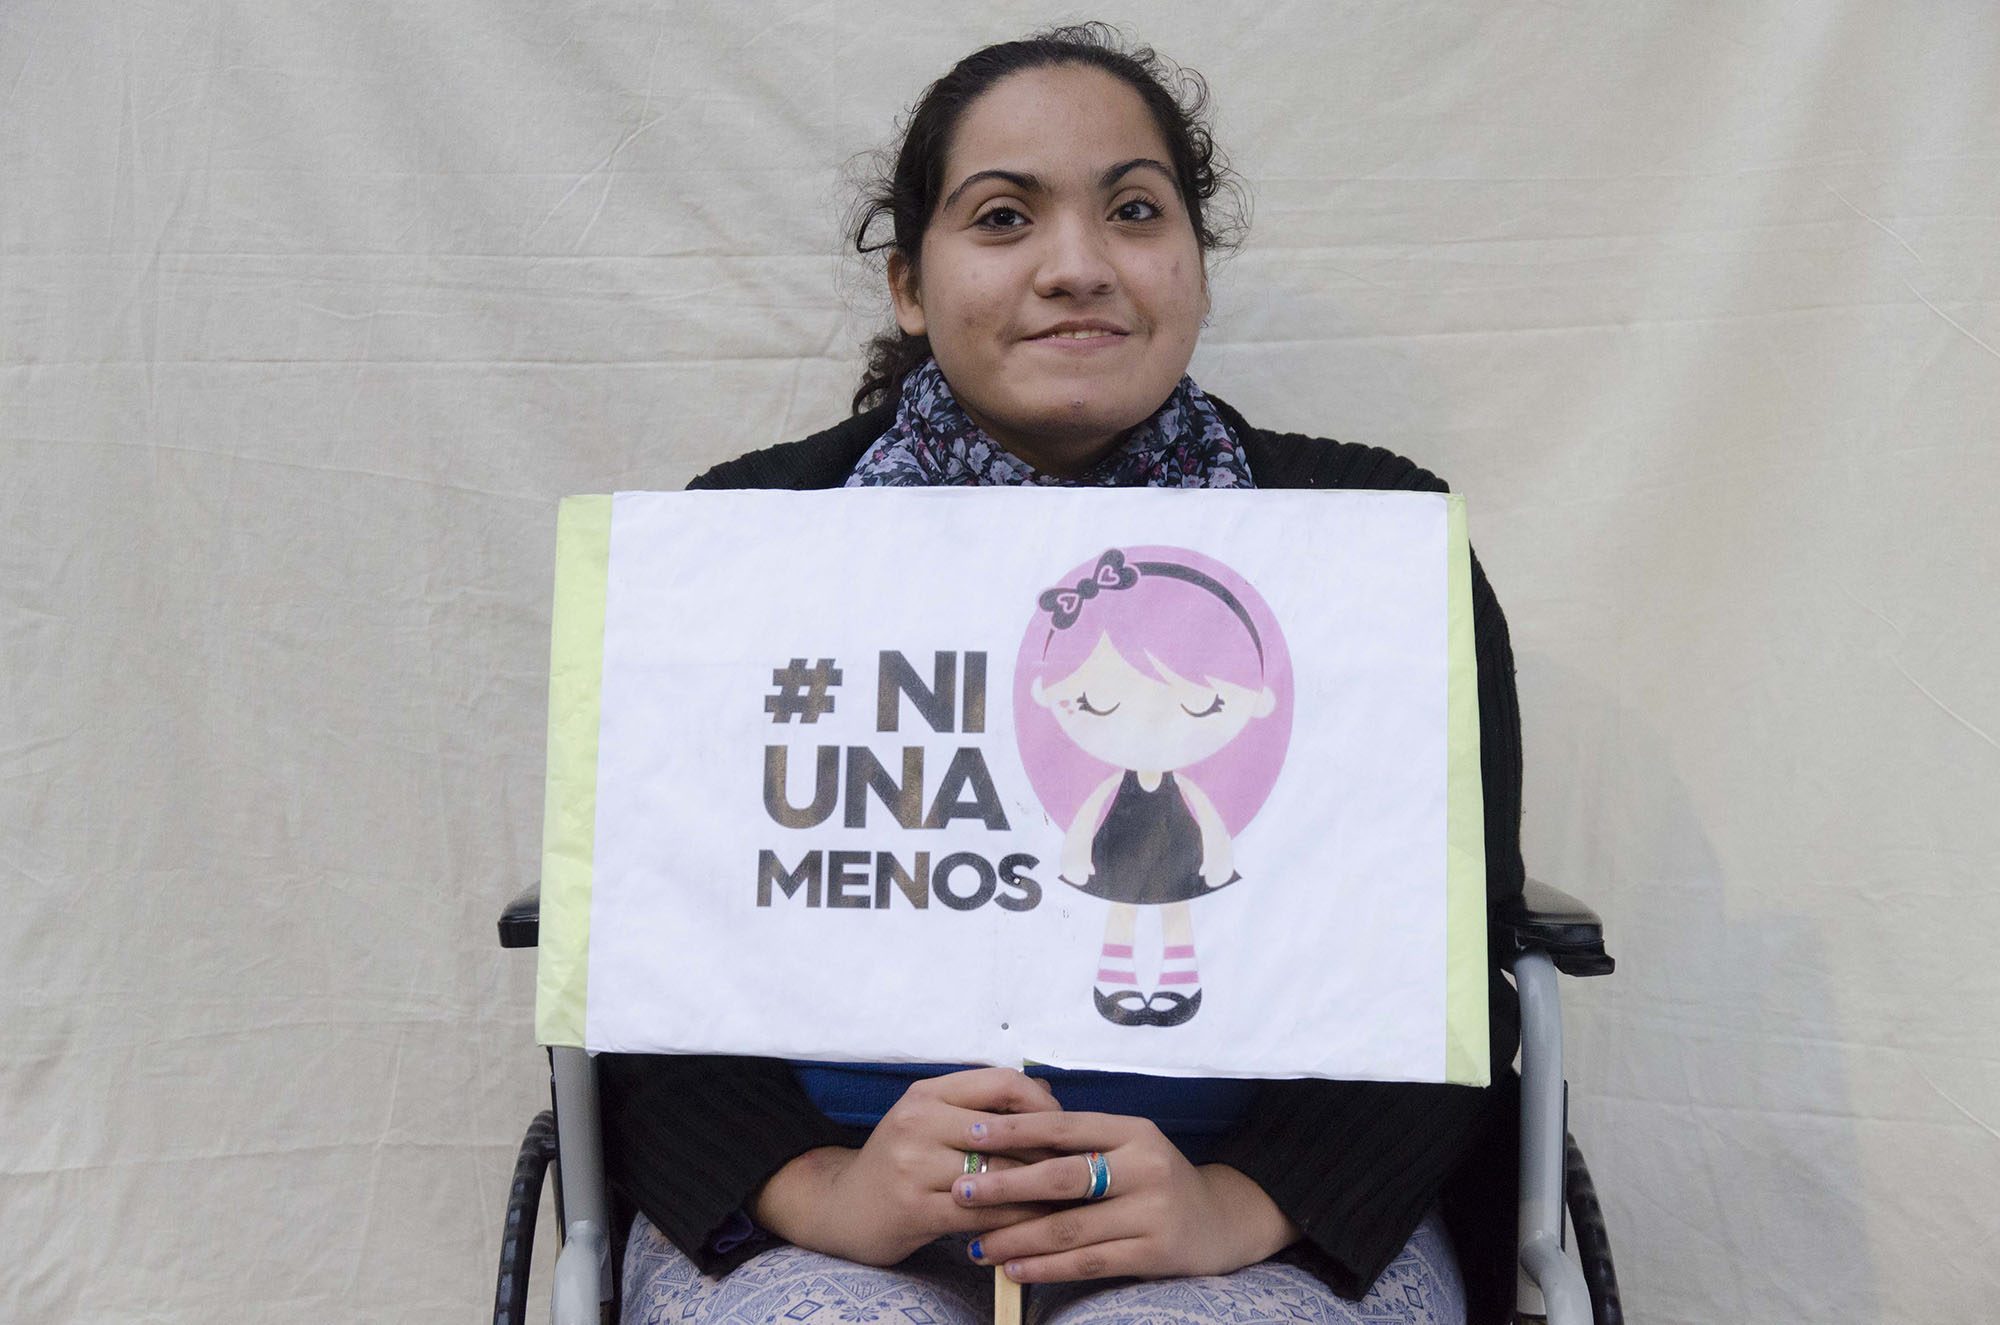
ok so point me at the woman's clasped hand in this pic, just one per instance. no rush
(1158, 1215)
(1030, 1208)
(878, 1204)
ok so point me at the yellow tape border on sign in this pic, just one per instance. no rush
(569, 815)
(1467, 1058)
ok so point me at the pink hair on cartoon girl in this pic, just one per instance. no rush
(1194, 632)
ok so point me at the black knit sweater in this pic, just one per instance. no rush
(1354, 1164)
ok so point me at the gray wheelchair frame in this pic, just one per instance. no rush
(1548, 932)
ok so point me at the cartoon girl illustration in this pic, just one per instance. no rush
(1153, 706)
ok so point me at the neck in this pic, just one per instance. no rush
(1059, 455)
(1056, 457)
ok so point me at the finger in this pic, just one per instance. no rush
(1055, 1231)
(995, 1160)
(1063, 1178)
(991, 1090)
(946, 1217)
(1017, 1158)
(1069, 1132)
(950, 1127)
(978, 1168)
(1102, 1260)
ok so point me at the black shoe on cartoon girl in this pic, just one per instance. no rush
(1168, 1008)
(1126, 1007)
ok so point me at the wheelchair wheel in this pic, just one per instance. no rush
(1593, 1243)
(524, 1201)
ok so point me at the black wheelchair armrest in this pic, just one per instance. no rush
(521, 922)
(1548, 918)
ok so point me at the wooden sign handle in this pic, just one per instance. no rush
(1006, 1299)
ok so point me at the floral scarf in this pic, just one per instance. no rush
(1183, 444)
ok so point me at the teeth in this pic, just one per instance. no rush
(1079, 335)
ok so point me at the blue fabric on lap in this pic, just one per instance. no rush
(1194, 1112)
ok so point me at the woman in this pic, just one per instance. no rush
(1051, 209)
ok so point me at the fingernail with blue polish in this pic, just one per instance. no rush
(978, 1131)
(973, 1250)
(965, 1190)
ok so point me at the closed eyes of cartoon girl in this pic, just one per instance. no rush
(1152, 667)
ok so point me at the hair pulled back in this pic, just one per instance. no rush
(907, 193)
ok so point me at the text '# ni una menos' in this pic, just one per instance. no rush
(866, 789)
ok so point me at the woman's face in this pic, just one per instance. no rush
(1061, 283)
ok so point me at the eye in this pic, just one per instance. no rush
(1083, 703)
(1000, 218)
(1137, 209)
(1208, 712)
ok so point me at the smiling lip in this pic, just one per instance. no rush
(1083, 332)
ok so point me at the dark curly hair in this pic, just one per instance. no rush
(909, 178)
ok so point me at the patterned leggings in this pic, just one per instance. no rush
(939, 1286)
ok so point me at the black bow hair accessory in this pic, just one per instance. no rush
(1065, 605)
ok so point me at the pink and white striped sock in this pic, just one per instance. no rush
(1115, 971)
(1178, 973)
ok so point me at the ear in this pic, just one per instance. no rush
(1267, 700)
(1035, 689)
(908, 298)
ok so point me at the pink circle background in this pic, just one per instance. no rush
(1238, 778)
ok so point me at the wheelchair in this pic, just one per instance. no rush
(1545, 931)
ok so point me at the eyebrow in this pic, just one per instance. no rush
(1033, 184)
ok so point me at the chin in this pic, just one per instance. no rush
(1071, 417)
(1081, 417)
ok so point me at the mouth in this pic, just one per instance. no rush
(1081, 331)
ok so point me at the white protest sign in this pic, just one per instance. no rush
(1183, 783)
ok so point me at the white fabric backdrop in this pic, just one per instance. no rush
(309, 313)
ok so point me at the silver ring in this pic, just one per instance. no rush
(975, 1162)
(1100, 1176)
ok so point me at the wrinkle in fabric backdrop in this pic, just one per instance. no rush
(309, 314)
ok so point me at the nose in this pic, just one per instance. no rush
(1075, 260)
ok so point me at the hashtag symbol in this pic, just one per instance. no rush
(802, 690)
